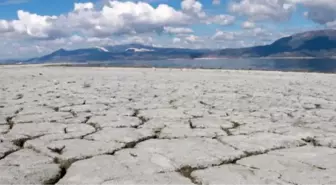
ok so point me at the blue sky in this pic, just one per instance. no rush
(31, 28)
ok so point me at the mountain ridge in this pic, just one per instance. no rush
(318, 43)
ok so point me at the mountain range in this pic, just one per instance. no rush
(119, 52)
(320, 43)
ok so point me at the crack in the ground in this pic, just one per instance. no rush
(65, 165)
(187, 170)
(225, 143)
(207, 105)
(18, 96)
(57, 178)
(58, 150)
(21, 141)
(234, 126)
(143, 120)
(10, 122)
(314, 166)
(8, 153)
(73, 113)
(311, 140)
(87, 118)
(172, 103)
(133, 144)
(191, 124)
(157, 132)
(18, 111)
(96, 126)
(227, 131)
(286, 181)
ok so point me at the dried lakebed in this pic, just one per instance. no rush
(63, 125)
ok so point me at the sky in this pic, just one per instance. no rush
(31, 28)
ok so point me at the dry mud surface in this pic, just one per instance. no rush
(76, 125)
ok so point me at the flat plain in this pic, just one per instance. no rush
(83, 125)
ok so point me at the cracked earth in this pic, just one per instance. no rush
(71, 125)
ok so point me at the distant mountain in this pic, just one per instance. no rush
(119, 52)
(321, 43)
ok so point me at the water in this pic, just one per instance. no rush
(309, 65)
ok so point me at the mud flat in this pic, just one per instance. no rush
(76, 125)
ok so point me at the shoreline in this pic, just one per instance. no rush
(80, 65)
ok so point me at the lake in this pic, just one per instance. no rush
(309, 65)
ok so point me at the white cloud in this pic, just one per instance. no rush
(193, 7)
(176, 40)
(76, 38)
(257, 10)
(138, 39)
(192, 39)
(5, 26)
(114, 18)
(222, 35)
(126, 18)
(332, 24)
(177, 30)
(31, 25)
(248, 25)
(319, 11)
(221, 19)
(83, 6)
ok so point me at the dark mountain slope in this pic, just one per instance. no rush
(320, 43)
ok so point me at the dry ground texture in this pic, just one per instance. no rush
(72, 125)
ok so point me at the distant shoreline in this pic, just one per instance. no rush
(201, 58)
(82, 65)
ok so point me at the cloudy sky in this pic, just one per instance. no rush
(31, 28)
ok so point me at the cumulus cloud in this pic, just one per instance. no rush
(176, 40)
(28, 24)
(221, 19)
(5, 26)
(177, 30)
(192, 38)
(114, 18)
(332, 24)
(257, 10)
(126, 18)
(319, 11)
(188, 40)
(193, 7)
(223, 35)
(83, 6)
(248, 25)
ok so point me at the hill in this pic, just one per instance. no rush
(320, 43)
